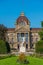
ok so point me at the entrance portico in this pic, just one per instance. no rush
(20, 37)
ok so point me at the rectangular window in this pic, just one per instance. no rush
(22, 34)
(18, 37)
(26, 46)
(26, 35)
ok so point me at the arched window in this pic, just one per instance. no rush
(22, 23)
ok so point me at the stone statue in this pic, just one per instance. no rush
(22, 48)
(23, 40)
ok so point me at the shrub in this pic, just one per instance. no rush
(7, 56)
(22, 57)
(39, 47)
(3, 47)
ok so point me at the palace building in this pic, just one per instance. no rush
(22, 29)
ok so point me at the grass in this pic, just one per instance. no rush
(12, 61)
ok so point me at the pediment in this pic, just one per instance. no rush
(22, 29)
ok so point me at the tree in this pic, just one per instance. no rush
(3, 31)
(41, 32)
(39, 44)
(42, 24)
(4, 47)
(39, 47)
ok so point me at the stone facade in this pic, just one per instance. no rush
(22, 29)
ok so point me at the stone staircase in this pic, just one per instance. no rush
(30, 52)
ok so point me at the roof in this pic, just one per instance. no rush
(35, 29)
(22, 17)
(31, 29)
(10, 29)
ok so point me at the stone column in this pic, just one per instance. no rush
(28, 40)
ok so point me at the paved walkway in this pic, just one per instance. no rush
(5, 54)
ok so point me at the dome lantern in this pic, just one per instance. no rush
(22, 14)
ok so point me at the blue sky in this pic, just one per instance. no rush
(10, 10)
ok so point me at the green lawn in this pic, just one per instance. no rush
(12, 61)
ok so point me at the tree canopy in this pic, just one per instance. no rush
(39, 44)
(3, 30)
(42, 24)
(41, 32)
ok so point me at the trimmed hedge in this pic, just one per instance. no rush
(39, 47)
(3, 47)
(7, 56)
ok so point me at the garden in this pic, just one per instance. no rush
(13, 61)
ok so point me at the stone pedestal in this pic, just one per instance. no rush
(22, 50)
